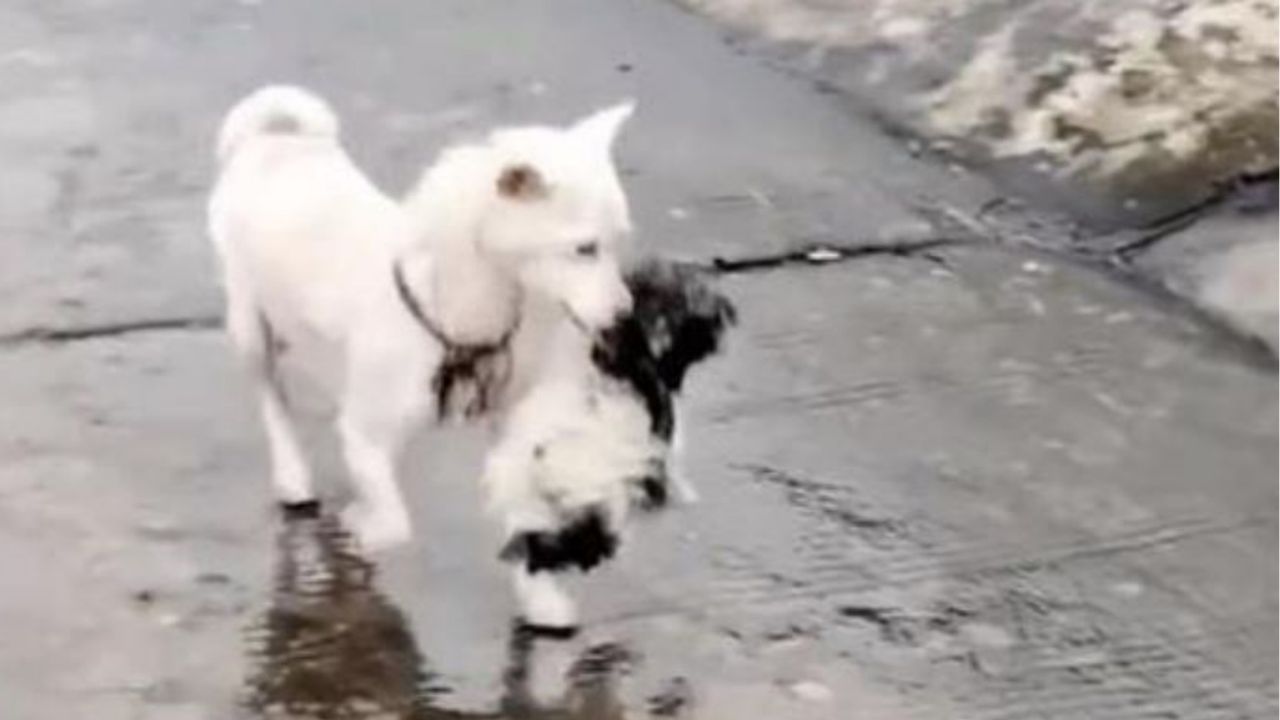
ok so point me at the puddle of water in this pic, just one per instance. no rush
(332, 646)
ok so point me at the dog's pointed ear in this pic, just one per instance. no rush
(601, 128)
(521, 181)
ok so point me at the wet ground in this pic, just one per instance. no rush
(955, 482)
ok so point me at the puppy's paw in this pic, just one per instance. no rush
(655, 492)
(376, 530)
(545, 607)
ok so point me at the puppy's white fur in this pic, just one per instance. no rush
(600, 434)
(543, 600)
(525, 223)
(570, 444)
(566, 445)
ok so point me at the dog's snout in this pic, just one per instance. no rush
(623, 305)
(620, 317)
(611, 336)
(612, 330)
(602, 304)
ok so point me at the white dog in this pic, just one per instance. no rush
(593, 438)
(420, 307)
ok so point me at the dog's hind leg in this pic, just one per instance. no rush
(252, 337)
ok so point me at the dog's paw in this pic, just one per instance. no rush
(375, 530)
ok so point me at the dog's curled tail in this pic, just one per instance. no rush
(275, 110)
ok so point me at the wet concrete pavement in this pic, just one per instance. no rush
(967, 482)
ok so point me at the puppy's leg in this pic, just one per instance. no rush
(539, 669)
(545, 605)
(684, 490)
(383, 402)
(250, 334)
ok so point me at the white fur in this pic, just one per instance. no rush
(543, 601)
(575, 440)
(495, 246)
(307, 245)
(294, 109)
(570, 443)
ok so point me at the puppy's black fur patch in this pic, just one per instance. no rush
(680, 314)
(649, 492)
(653, 493)
(676, 321)
(622, 352)
(582, 542)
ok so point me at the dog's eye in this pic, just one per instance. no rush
(587, 249)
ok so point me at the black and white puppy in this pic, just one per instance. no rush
(595, 437)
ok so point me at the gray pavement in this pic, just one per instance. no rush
(1123, 111)
(972, 482)
(1149, 124)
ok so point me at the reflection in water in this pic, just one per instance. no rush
(591, 693)
(332, 647)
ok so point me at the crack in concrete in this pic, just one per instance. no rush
(77, 333)
(1117, 261)
(1252, 350)
(1224, 193)
(826, 254)
(812, 255)
(897, 626)
(963, 231)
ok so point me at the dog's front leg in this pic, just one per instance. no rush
(378, 517)
(384, 401)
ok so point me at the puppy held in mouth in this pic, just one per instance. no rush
(595, 437)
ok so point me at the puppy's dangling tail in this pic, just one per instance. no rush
(275, 110)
